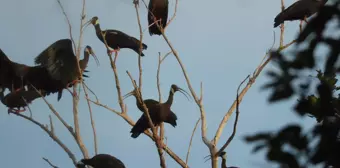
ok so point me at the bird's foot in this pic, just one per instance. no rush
(16, 110)
(74, 94)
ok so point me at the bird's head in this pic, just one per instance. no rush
(175, 88)
(89, 51)
(94, 21)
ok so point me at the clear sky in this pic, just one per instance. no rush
(219, 41)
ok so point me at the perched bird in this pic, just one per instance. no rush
(19, 99)
(61, 63)
(116, 39)
(101, 161)
(300, 10)
(158, 12)
(159, 112)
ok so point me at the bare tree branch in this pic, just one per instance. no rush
(52, 135)
(92, 121)
(140, 47)
(236, 119)
(190, 143)
(198, 102)
(75, 100)
(257, 72)
(147, 132)
(173, 16)
(68, 22)
(52, 165)
(158, 141)
(161, 133)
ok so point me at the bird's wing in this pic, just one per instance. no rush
(150, 102)
(21, 98)
(122, 38)
(297, 10)
(56, 58)
(116, 163)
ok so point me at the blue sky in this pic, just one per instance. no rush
(220, 42)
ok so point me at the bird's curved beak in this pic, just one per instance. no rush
(87, 23)
(128, 94)
(185, 93)
(95, 57)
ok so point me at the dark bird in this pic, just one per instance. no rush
(19, 99)
(101, 161)
(61, 63)
(158, 12)
(159, 112)
(116, 39)
(299, 10)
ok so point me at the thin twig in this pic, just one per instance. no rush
(140, 47)
(68, 22)
(92, 121)
(282, 28)
(190, 143)
(115, 73)
(161, 133)
(200, 105)
(236, 119)
(257, 72)
(52, 165)
(53, 136)
(173, 16)
(75, 100)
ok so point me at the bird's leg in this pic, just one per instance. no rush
(74, 94)
(10, 110)
(305, 19)
(72, 83)
(301, 25)
(109, 52)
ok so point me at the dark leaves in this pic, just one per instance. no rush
(289, 145)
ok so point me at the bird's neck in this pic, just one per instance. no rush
(83, 63)
(139, 105)
(170, 98)
(98, 30)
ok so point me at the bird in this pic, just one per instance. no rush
(116, 39)
(61, 63)
(101, 161)
(19, 99)
(300, 10)
(158, 12)
(159, 112)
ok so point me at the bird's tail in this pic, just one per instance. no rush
(144, 46)
(278, 19)
(139, 127)
(137, 51)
